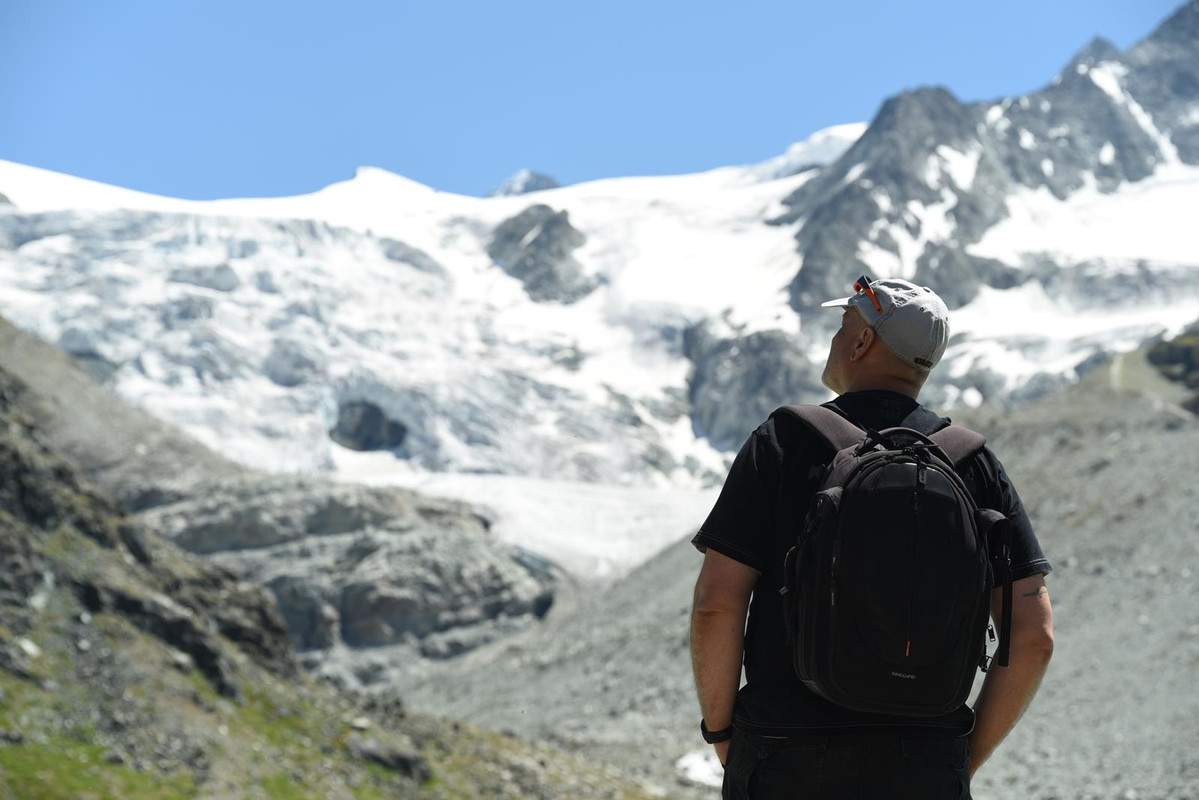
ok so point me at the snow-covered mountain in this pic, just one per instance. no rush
(627, 331)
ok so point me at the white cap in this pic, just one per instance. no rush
(911, 320)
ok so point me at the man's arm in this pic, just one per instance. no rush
(1007, 691)
(718, 613)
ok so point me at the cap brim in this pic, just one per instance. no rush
(842, 303)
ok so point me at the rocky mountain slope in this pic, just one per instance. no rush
(352, 568)
(129, 668)
(1105, 469)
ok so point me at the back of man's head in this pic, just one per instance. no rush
(912, 323)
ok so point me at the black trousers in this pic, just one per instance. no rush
(846, 765)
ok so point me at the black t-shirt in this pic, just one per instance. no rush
(755, 521)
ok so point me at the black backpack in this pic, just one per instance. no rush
(887, 590)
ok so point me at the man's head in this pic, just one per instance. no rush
(892, 334)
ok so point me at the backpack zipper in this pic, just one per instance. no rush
(921, 479)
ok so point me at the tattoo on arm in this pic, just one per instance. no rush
(1041, 591)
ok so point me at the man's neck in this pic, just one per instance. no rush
(885, 384)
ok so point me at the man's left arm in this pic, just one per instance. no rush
(718, 614)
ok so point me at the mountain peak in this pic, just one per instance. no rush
(820, 149)
(1094, 52)
(524, 182)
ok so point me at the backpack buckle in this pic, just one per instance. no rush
(985, 664)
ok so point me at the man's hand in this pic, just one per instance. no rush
(722, 751)
(718, 612)
(1008, 690)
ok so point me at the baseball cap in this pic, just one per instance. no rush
(911, 320)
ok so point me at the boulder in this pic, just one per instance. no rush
(397, 756)
(362, 425)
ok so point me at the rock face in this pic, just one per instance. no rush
(361, 566)
(363, 426)
(737, 380)
(535, 247)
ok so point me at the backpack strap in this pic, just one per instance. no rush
(830, 426)
(999, 537)
(959, 443)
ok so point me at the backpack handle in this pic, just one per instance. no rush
(886, 438)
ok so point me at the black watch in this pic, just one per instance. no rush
(715, 737)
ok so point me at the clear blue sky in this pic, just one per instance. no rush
(222, 99)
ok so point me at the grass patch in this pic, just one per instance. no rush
(283, 726)
(63, 769)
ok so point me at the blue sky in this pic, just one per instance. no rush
(224, 99)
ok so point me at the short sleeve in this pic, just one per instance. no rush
(1000, 494)
(738, 525)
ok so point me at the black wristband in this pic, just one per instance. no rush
(715, 737)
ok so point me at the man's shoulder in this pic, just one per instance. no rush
(785, 437)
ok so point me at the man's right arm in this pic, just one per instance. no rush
(1007, 691)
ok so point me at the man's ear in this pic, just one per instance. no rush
(863, 342)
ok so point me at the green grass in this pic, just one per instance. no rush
(63, 769)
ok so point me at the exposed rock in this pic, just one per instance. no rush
(367, 566)
(524, 182)
(535, 247)
(1178, 360)
(399, 757)
(969, 272)
(221, 277)
(363, 426)
(737, 380)
(1165, 78)
(312, 621)
(244, 514)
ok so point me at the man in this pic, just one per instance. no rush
(785, 740)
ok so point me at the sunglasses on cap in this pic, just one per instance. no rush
(862, 285)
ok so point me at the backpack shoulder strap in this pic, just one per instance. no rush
(958, 443)
(830, 426)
